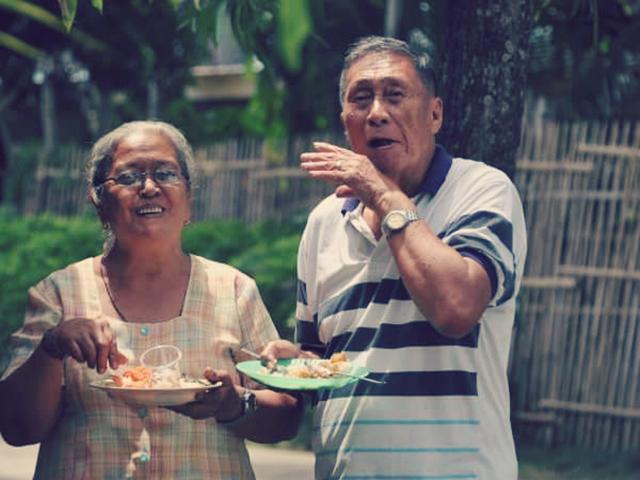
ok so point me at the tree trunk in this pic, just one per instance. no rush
(483, 80)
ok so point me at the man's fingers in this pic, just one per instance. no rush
(344, 191)
(327, 147)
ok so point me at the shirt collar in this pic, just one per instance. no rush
(431, 183)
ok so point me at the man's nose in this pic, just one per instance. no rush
(378, 114)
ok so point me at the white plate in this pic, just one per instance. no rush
(156, 397)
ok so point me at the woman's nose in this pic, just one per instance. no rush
(149, 186)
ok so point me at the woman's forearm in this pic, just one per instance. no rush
(277, 418)
(31, 400)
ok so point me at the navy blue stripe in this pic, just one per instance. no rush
(301, 292)
(362, 294)
(461, 243)
(307, 333)
(499, 226)
(419, 333)
(410, 384)
(437, 172)
(489, 267)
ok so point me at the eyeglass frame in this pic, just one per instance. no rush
(142, 175)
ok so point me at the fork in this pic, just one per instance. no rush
(350, 375)
(252, 354)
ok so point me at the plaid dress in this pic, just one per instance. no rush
(100, 438)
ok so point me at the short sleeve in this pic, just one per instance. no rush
(306, 327)
(255, 322)
(44, 311)
(488, 226)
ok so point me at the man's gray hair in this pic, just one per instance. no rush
(375, 44)
(101, 156)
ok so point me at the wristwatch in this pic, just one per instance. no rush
(396, 220)
(50, 345)
(249, 406)
(249, 403)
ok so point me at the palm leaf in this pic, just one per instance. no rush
(18, 46)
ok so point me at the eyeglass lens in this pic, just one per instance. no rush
(161, 176)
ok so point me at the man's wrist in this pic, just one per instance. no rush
(49, 345)
(392, 200)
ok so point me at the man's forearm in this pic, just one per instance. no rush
(450, 290)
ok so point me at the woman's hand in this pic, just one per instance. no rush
(89, 341)
(282, 349)
(223, 403)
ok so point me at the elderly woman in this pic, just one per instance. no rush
(143, 291)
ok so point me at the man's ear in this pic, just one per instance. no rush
(343, 117)
(437, 114)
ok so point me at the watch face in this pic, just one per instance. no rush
(396, 220)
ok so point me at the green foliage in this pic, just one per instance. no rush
(584, 56)
(273, 264)
(68, 9)
(294, 26)
(30, 249)
(33, 247)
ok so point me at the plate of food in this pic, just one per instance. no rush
(305, 374)
(141, 386)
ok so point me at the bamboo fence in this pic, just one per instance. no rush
(575, 361)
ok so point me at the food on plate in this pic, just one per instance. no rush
(144, 377)
(302, 368)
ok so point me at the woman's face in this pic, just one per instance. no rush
(145, 196)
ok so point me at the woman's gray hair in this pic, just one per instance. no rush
(101, 156)
(375, 44)
(101, 160)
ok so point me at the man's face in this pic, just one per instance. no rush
(390, 117)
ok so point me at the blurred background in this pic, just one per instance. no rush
(547, 90)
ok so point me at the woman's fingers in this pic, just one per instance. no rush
(221, 402)
(91, 341)
(88, 347)
(116, 358)
(102, 338)
(279, 349)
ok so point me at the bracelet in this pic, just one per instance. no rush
(50, 345)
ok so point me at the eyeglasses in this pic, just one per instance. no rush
(136, 179)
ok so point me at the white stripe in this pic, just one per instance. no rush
(416, 359)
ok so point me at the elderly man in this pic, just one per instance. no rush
(411, 268)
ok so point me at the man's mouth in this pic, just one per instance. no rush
(380, 143)
(149, 211)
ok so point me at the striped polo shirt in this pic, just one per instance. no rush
(443, 411)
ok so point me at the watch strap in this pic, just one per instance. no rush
(409, 216)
